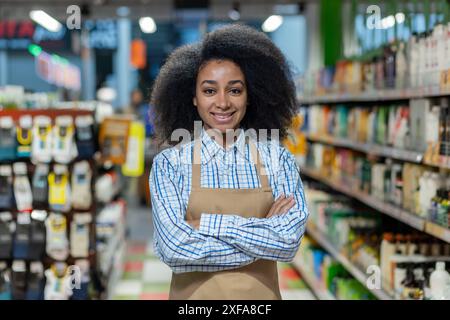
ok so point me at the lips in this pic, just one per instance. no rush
(222, 117)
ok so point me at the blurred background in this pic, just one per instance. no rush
(77, 139)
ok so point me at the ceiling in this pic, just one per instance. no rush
(158, 9)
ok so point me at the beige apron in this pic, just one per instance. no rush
(258, 280)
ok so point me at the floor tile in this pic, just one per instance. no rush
(154, 296)
(156, 287)
(156, 272)
(134, 266)
(128, 287)
(133, 275)
(297, 295)
(126, 297)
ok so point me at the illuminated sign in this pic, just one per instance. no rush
(19, 35)
(55, 69)
(102, 34)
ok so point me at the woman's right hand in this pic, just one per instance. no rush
(281, 206)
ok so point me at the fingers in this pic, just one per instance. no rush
(275, 205)
(287, 205)
(281, 205)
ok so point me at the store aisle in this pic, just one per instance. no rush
(145, 277)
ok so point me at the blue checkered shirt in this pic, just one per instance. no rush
(224, 241)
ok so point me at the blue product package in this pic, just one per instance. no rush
(8, 144)
(6, 240)
(21, 242)
(81, 293)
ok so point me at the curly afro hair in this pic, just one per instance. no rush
(270, 86)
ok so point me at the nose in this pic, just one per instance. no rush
(222, 100)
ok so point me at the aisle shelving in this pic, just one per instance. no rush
(374, 96)
(355, 271)
(369, 148)
(375, 149)
(386, 208)
(319, 291)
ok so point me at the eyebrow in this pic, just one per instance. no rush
(229, 82)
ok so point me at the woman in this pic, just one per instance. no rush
(216, 222)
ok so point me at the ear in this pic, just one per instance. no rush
(194, 101)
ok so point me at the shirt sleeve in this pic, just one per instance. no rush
(176, 243)
(275, 238)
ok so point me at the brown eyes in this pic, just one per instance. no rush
(233, 91)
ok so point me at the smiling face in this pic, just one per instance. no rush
(221, 95)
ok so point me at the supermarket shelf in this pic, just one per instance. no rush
(356, 272)
(370, 148)
(437, 231)
(391, 210)
(379, 95)
(313, 284)
(386, 208)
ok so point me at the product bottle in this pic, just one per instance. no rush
(400, 67)
(420, 280)
(411, 289)
(442, 208)
(387, 249)
(389, 60)
(439, 280)
(399, 277)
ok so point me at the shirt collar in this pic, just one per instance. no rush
(210, 147)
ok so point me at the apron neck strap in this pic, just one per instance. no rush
(196, 164)
(258, 161)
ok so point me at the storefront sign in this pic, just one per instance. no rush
(15, 35)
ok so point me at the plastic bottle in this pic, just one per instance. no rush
(387, 249)
(439, 281)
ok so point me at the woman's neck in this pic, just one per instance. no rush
(224, 139)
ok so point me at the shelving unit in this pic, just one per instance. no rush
(375, 149)
(92, 256)
(386, 208)
(318, 290)
(355, 271)
(374, 96)
(369, 148)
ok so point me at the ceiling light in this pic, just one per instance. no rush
(147, 25)
(44, 19)
(272, 23)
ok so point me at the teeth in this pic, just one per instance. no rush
(222, 115)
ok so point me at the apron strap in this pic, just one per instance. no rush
(258, 161)
(196, 164)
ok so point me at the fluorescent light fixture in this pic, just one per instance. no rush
(400, 17)
(44, 19)
(272, 23)
(147, 25)
(388, 22)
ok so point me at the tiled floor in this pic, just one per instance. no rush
(147, 278)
